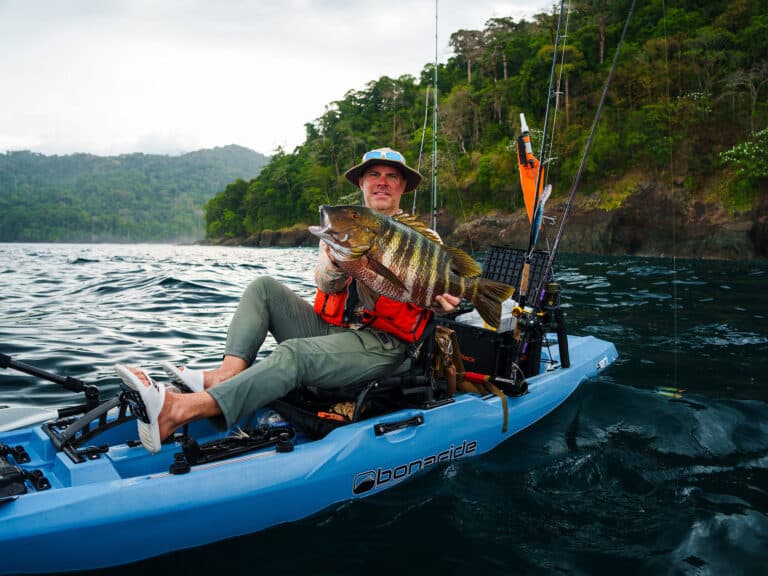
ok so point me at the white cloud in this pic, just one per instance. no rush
(116, 76)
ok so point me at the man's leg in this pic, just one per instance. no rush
(269, 306)
(338, 359)
(265, 306)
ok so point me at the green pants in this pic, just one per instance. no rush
(310, 351)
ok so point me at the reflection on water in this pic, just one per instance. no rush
(659, 466)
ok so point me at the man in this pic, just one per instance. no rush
(316, 346)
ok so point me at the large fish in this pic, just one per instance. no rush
(403, 259)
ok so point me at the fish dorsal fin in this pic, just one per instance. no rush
(462, 263)
(413, 222)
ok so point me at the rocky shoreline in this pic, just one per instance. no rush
(649, 222)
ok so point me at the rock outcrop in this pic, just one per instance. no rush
(650, 222)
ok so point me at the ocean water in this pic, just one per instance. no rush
(660, 466)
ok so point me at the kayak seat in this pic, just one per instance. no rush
(412, 384)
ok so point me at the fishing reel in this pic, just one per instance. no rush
(533, 324)
(550, 314)
(524, 315)
(550, 305)
(553, 319)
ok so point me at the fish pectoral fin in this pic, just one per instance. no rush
(385, 272)
(462, 263)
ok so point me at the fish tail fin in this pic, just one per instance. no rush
(488, 298)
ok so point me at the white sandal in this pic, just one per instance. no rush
(146, 399)
(193, 380)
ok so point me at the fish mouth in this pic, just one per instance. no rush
(325, 229)
(320, 230)
(325, 223)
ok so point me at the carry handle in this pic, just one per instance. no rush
(381, 429)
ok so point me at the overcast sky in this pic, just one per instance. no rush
(168, 76)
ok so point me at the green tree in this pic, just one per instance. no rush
(690, 84)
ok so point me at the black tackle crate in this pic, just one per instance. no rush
(484, 351)
(505, 264)
(493, 353)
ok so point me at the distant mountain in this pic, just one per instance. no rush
(127, 198)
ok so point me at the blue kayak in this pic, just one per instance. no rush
(111, 502)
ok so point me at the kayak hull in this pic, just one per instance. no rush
(125, 505)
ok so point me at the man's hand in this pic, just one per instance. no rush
(448, 302)
(327, 250)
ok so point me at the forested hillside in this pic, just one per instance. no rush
(687, 106)
(132, 197)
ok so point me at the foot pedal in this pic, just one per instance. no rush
(192, 454)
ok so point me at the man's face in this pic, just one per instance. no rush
(382, 187)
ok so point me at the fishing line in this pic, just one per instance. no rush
(675, 340)
(460, 200)
(587, 146)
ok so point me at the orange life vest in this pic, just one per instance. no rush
(401, 319)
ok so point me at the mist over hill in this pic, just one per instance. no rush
(126, 198)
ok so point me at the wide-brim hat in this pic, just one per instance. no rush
(389, 157)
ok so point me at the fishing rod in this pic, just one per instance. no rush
(587, 146)
(434, 134)
(545, 309)
(421, 147)
(533, 235)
